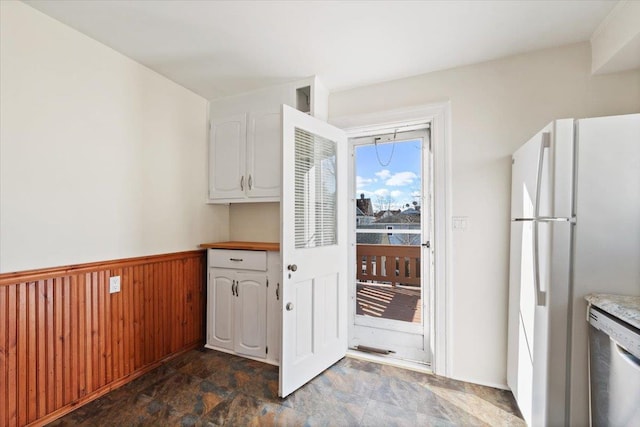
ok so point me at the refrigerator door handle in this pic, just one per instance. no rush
(555, 219)
(545, 143)
(541, 296)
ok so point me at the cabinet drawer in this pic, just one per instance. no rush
(238, 259)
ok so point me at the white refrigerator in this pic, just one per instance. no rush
(575, 229)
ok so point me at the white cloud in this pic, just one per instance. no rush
(362, 182)
(396, 194)
(415, 193)
(401, 178)
(381, 192)
(383, 174)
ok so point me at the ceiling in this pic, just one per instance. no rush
(220, 48)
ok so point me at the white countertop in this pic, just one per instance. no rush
(624, 307)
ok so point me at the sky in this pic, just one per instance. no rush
(392, 175)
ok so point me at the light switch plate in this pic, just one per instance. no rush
(461, 223)
(114, 284)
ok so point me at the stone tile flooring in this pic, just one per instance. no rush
(209, 388)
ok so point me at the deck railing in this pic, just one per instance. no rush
(394, 264)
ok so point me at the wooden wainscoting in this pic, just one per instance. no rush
(65, 340)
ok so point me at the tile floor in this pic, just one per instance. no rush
(209, 388)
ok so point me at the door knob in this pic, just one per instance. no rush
(289, 306)
(292, 267)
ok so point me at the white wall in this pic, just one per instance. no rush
(496, 106)
(257, 222)
(100, 157)
(615, 45)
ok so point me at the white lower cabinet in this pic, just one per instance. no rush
(238, 309)
(243, 304)
(220, 308)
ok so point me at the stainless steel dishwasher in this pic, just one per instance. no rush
(614, 371)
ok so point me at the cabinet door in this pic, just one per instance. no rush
(227, 157)
(264, 136)
(220, 301)
(251, 314)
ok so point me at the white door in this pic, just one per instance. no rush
(251, 314)
(220, 308)
(313, 248)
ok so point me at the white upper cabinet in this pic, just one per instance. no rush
(246, 139)
(264, 130)
(227, 152)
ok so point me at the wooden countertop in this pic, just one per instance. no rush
(248, 246)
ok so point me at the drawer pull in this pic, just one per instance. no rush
(236, 259)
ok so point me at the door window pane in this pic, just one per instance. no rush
(315, 190)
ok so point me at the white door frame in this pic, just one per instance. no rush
(397, 335)
(439, 117)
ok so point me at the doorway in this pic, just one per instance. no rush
(391, 229)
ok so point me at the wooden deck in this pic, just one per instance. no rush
(385, 301)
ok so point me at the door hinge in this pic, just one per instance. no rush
(427, 244)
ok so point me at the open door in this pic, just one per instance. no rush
(313, 247)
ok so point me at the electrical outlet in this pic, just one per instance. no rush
(114, 284)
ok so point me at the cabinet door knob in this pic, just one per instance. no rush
(242, 183)
(292, 267)
(289, 306)
(250, 181)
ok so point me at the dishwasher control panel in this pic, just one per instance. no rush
(622, 333)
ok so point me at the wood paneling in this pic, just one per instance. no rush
(65, 340)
